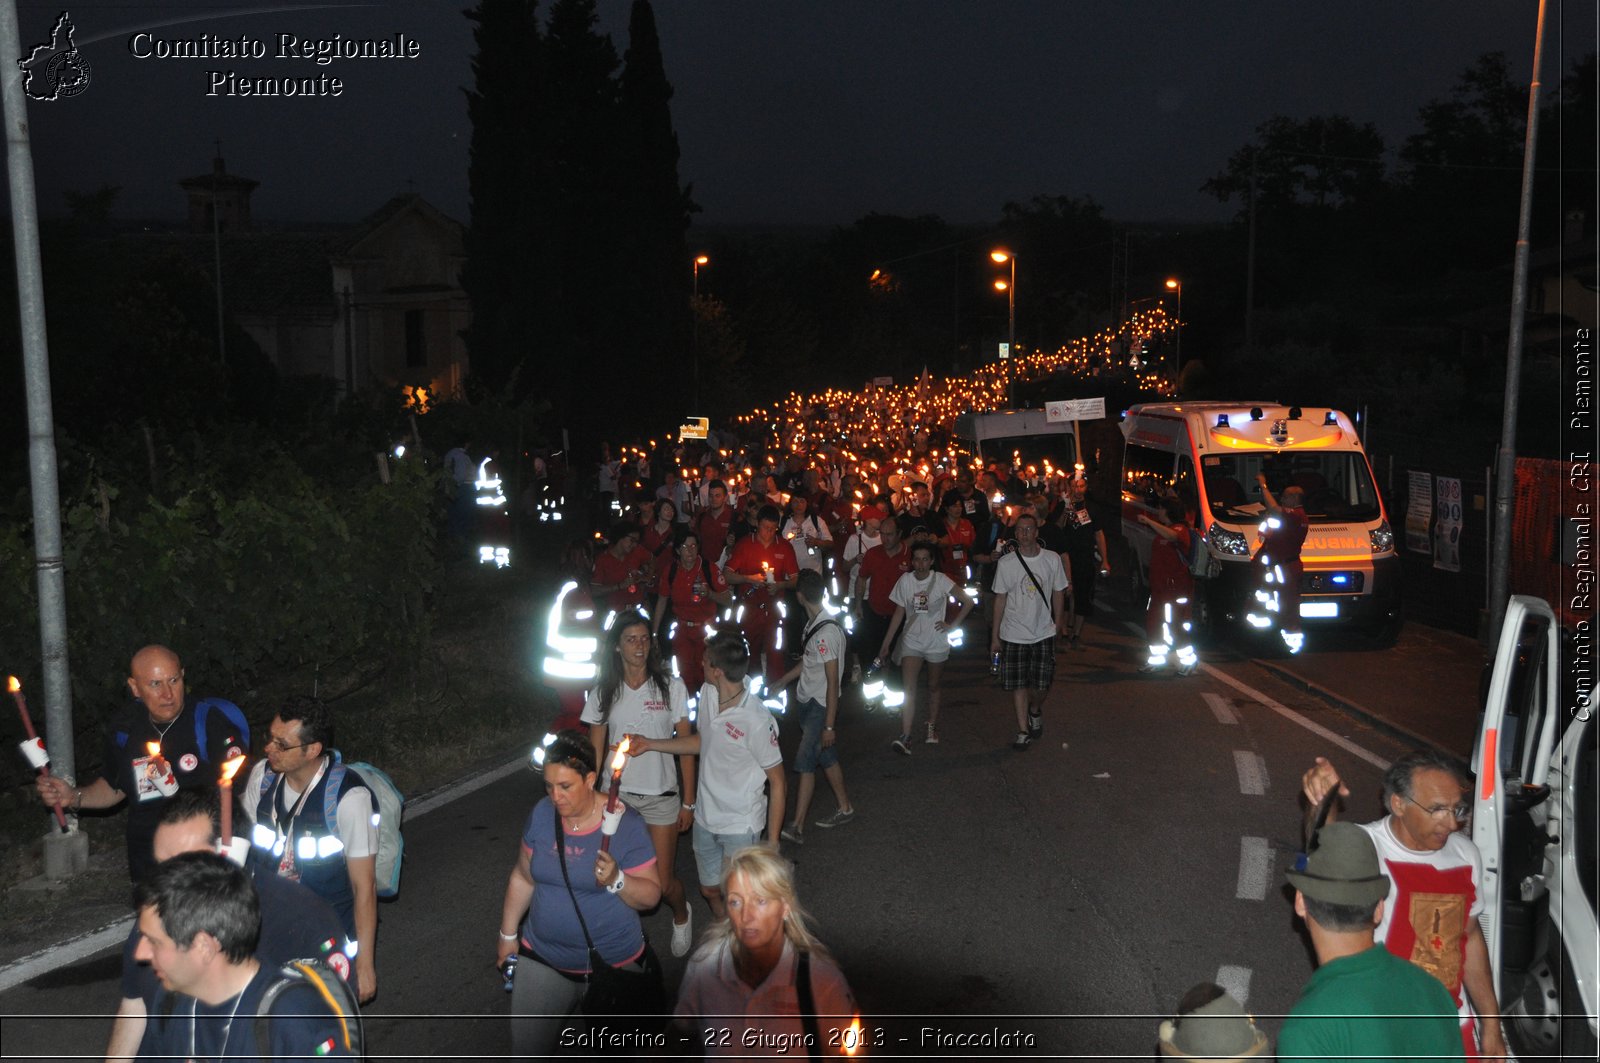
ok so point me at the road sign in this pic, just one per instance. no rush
(1005, 351)
(1075, 410)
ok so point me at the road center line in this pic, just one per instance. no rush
(1220, 708)
(1252, 772)
(1236, 980)
(1255, 869)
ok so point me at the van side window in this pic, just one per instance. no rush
(1146, 469)
(1188, 492)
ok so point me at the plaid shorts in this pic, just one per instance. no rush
(1028, 664)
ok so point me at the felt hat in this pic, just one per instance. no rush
(1218, 1029)
(1343, 868)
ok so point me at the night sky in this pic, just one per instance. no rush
(792, 113)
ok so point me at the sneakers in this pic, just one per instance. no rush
(933, 737)
(1188, 669)
(839, 818)
(1035, 725)
(1022, 742)
(902, 745)
(683, 935)
(792, 834)
(1150, 669)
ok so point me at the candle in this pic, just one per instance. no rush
(766, 572)
(608, 823)
(37, 755)
(230, 768)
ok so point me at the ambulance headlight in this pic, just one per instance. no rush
(1229, 542)
(1382, 538)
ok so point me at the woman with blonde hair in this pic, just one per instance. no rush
(760, 974)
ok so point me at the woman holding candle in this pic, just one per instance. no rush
(635, 695)
(744, 978)
(539, 916)
(692, 588)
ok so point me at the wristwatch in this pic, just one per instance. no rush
(616, 887)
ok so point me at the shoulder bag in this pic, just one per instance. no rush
(615, 992)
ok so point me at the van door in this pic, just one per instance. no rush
(1512, 764)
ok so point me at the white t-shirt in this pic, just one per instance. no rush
(823, 642)
(1028, 618)
(357, 833)
(642, 712)
(924, 602)
(1434, 900)
(796, 531)
(737, 746)
(854, 547)
(730, 1015)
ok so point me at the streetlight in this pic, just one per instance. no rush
(1175, 285)
(1001, 256)
(699, 260)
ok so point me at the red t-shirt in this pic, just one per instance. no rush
(687, 606)
(1283, 543)
(749, 555)
(608, 570)
(884, 571)
(658, 544)
(713, 531)
(955, 551)
(1169, 572)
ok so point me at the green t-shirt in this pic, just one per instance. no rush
(1374, 1006)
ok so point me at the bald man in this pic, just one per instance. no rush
(193, 740)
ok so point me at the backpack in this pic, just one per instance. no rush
(230, 711)
(1198, 557)
(330, 985)
(391, 811)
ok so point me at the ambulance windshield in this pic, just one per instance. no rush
(1337, 484)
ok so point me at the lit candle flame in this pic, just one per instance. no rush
(12, 686)
(230, 768)
(852, 1037)
(621, 758)
(153, 748)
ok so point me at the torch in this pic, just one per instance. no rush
(159, 772)
(613, 811)
(230, 768)
(33, 748)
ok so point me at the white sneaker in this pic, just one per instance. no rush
(683, 935)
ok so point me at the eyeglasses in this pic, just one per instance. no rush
(1460, 813)
(278, 744)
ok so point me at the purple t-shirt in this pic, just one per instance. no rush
(551, 928)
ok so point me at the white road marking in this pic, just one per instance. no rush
(1252, 771)
(1236, 980)
(461, 789)
(53, 956)
(1289, 714)
(1255, 869)
(1220, 708)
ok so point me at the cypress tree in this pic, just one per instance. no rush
(504, 174)
(656, 211)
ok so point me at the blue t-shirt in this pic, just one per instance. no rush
(300, 1027)
(551, 928)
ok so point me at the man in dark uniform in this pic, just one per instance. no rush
(155, 747)
(295, 923)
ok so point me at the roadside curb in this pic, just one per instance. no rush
(1355, 708)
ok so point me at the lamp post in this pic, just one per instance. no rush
(699, 260)
(1001, 256)
(1175, 285)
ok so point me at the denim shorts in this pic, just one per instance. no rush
(710, 850)
(813, 717)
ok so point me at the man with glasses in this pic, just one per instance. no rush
(333, 856)
(159, 743)
(1430, 916)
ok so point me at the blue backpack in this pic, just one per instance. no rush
(390, 804)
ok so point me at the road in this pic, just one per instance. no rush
(1052, 902)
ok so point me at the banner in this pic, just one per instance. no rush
(1075, 410)
(1447, 530)
(1419, 512)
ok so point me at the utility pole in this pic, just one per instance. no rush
(1506, 459)
(69, 852)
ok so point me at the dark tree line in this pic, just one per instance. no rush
(576, 262)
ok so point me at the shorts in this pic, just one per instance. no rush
(658, 810)
(813, 717)
(935, 648)
(710, 850)
(1028, 665)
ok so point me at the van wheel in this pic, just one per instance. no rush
(1537, 1024)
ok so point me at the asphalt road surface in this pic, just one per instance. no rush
(984, 903)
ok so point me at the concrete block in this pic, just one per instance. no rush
(66, 854)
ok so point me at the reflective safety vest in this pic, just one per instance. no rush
(302, 843)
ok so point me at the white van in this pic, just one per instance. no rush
(1210, 454)
(1534, 822)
